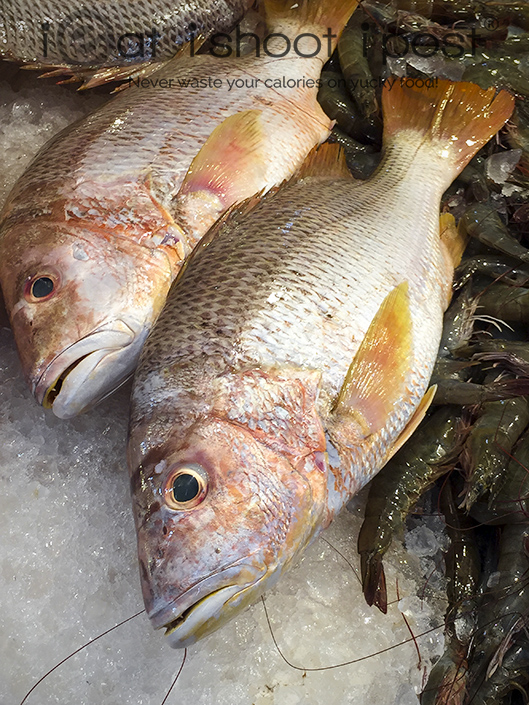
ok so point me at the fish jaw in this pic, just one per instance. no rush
(88, 370)
(210, 604)
(201, 566)
(80, 343)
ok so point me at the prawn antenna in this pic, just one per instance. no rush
(26, 696)
(343, 663)
(175, 678)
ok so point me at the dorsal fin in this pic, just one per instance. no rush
(327, 159)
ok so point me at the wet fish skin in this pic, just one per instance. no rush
(69, 34)
(249, 372)
(113, 179)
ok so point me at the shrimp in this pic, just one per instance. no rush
(395, 490)
(361, 159)
(447, 681)
(509, 270)
(503, 614)
(510, 502)
(507, 303)
(474, 179)
(490, 440)
(339, 106)
(512, 355)
(512, 675)
(482, 222)
(355, 68)
(455, 391)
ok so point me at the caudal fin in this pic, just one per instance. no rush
(455, 119)
(294, 17)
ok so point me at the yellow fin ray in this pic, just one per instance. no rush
(376, 379)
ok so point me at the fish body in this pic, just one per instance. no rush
(105, 215)
(108, 32)
(291, 361)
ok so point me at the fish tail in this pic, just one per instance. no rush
(453, 119)
(291, 16)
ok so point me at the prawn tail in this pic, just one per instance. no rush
(374, 581)
(451, 120)
(292, 18)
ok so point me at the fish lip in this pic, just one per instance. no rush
(167, 615)
(229, 590)
(108, 337)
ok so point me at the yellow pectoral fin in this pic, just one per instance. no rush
(413, 423)
(376, 379)
(231, 163)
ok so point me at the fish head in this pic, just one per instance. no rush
(218, 521)
(80, 307)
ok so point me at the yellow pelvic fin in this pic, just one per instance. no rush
(282, 15)
(413, 423)
(327, 159)
(458, 117)
(453, 239)
(376, 379)
(232, 161)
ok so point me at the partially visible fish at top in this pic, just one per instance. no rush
(96, 229)
(292, 359)
(83, 37)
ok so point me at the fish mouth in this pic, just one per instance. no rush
(83, 373)
(201, 609)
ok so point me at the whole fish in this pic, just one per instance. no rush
(94, 232)
(292, 359)
(82, 37)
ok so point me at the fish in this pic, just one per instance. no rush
(97, 228)
(78, 40)
(292, 359)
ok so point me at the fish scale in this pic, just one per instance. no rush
(276, 273)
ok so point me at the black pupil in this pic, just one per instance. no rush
(42, 287)
(185, 487)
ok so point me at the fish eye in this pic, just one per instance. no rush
(40, 288)
(186, 487)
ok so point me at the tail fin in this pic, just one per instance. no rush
(291, 17)
(456, 119)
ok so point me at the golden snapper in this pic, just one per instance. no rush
(96, 229)
(292, 360)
